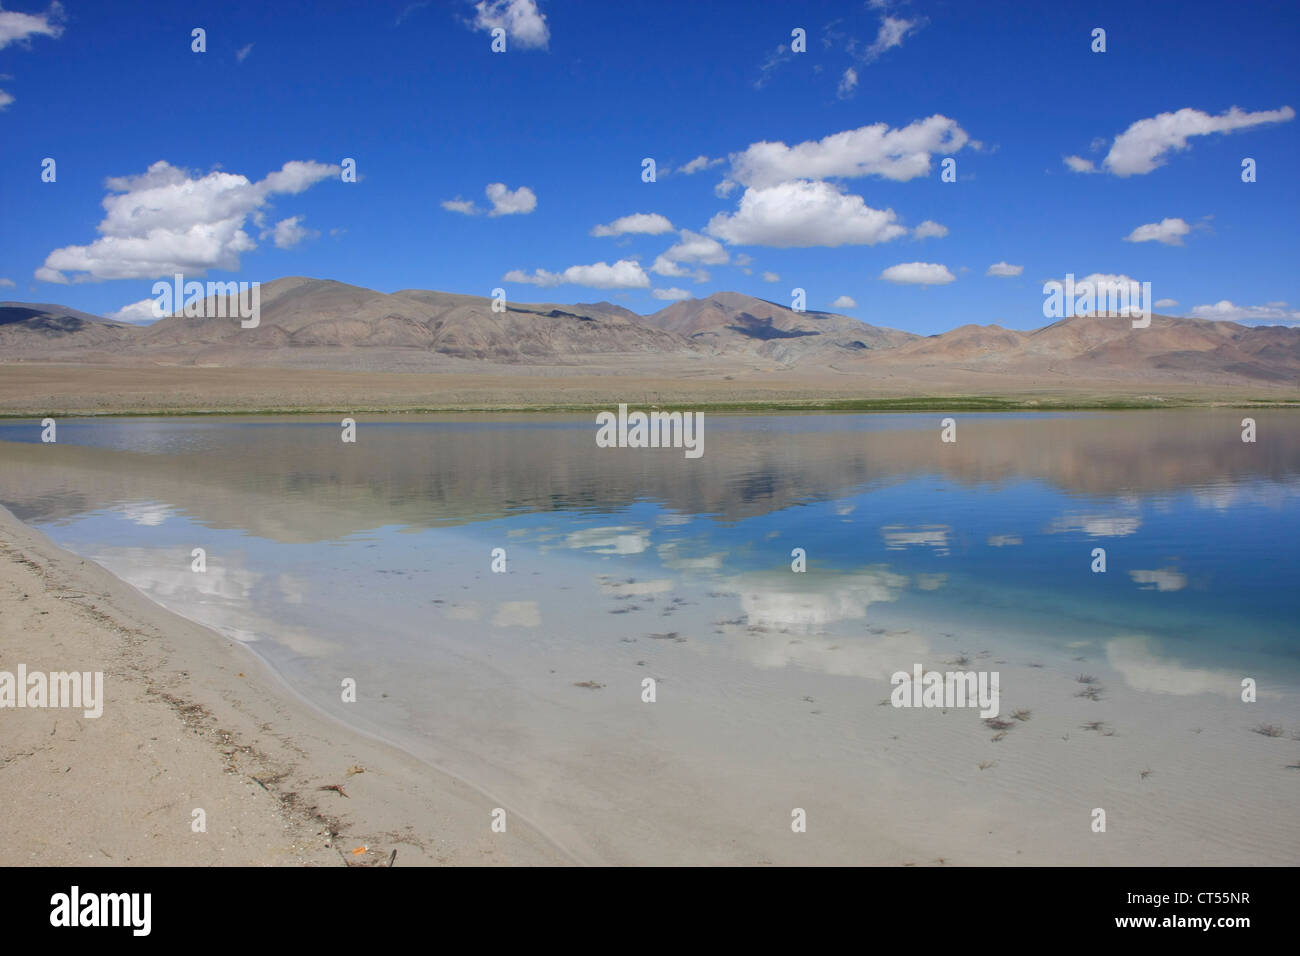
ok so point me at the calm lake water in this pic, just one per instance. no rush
(373, 561)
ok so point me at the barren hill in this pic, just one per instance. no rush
(745, 346)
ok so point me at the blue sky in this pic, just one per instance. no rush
(585, 91)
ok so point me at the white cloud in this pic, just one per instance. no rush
(645, 223)
(1080, 165)
(666, 267)
(20, 27)
(803, 213)
(929, 229)
(1168, 231)
(242, 53)
(137, 313)
(699, 163)
(624, 274)
(505, 203)
(697, 248)
(1142, 147)
(693, 247)
(918, 273)
(771, 277)
(891, 33)
(895, 154)
(1225, 311)
(1004, 269)
(289, 232)
(166, 220)
(844, 302)
(848, 83)
(1165, 303)
(524, 24)
(7, 284)
(670, 295)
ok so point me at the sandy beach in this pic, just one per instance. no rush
(193, 720)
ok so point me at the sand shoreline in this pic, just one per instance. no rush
(194, 720)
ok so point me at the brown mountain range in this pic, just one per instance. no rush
(764, 348)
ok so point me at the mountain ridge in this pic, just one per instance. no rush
(324, 323)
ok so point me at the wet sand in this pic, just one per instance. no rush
(193, 720)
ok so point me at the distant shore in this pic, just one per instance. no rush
(30, 389)
(193, 721)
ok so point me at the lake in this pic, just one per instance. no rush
(374, 562)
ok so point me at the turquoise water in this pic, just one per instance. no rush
(1200, 529)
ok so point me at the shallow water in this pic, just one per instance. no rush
(372, 561)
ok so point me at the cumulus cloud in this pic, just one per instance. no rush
(895, 154)
(1080, 165)
(524, 23)
(929, 229)
(1143, 146)
(664, 266)
(670, 295)
(624, 274)
(697, 248)
(1168, 231)
(645, 223)
(1004, 269)
(137, 313)
(844, 302)
(7, 283)
(168, 220)
(804, 213)
(21, 27)
(1274, 313)
(1165, 303)
(918, 273)
(289, 232)
(693, 248)
(771, 277)
(506, 203)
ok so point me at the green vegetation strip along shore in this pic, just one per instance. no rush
(964, 403)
